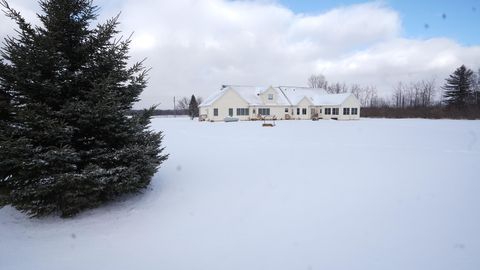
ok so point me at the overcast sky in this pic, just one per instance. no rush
(195, 46)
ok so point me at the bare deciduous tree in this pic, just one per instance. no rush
(182, 104)
(476, 87)
(375, 100)
(415, 94)
(399, 93)
(427, 92)
(365, 95)
(337, 88)
(317, 81)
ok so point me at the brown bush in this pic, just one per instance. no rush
(435, 112)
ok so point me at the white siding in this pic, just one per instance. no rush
(304, 104)
(233, 100)
(269, 92)
(229, 100)
(350, 102)
(275, 111)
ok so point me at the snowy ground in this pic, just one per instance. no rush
(368, 194)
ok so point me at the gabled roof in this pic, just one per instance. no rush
(331, 99)
(286, 95)
(212, 98)
(296, 94)
(249, 93)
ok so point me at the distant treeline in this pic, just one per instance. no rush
(458, 98)
(162, 112)
(434, 112)
(183, 106)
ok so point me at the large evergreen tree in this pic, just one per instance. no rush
(458, 88)
(193, 107)
(67, 143)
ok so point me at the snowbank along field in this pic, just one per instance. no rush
(368, 194)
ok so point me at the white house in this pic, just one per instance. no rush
(279, 102)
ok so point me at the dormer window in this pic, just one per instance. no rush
(270, 96)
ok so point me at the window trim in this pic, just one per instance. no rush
(264, 111)
(243, 111)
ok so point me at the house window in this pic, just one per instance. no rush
(215, 112)
(242, 111)
(335, 111)
(304, 111)
(346, 111)
(286, 110)
(270, 96)
(320, 111)
(354, 111)
(328, 111)
(264, 111)
(230, 112)
(298, 111)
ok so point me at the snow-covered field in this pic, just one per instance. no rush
(368, 194)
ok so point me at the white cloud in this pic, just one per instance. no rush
(400, 59)
(195, 46)
(346, 28)
(25, 7)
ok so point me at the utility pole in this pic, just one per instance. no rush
(174, 108)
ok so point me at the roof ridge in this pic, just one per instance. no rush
(292, 86)
(242, 85)
(273, 86)
(285, 95)
(289, 97)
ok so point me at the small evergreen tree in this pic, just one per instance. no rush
(66, 141)
(193, 110)
(458, 88)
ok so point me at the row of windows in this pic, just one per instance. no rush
(304, 111)
(300, 111)
(243, 111)
(346, 111)
(331, 111)
(266, 111)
